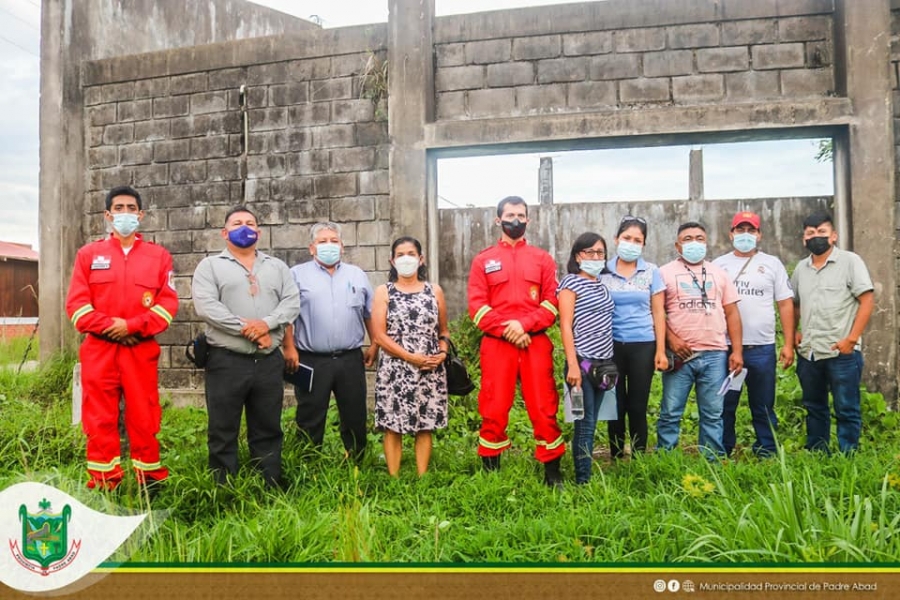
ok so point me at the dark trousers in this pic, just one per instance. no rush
(635, 362)
(345, 375)
(239, 382)
(760, 362)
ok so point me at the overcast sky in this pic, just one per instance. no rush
(731, 171)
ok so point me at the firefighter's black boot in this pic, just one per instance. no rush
(491, 463)
(552, 476)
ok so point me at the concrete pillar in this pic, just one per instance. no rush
(695, 180)
(61, 186)
(545, 180)
(863, 61)
(410, 108)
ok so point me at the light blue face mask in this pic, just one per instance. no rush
(629, 251)
(328, 253)
(693, 252)
(744, 242)
(592, 267)
(125, 223)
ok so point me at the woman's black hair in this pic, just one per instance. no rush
(629, 222)
(583, 242)
(422, 273)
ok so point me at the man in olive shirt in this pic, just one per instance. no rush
(834, 297)
(247, 299)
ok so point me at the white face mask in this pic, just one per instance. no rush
(406, 265)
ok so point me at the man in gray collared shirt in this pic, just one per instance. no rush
(335, 315)
(248, 300)
(833, 292)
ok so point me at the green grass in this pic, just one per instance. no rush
(670, 507)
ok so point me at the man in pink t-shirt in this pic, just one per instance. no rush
(701, 306)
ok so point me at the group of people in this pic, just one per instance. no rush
(622, 318)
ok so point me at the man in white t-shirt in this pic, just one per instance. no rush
(762, 283)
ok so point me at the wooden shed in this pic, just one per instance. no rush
(18, 289)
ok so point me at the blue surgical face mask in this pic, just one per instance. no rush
(328, 253)
(744, 242)
(693, 252)
(592, 267)
(629, 251)
(243, 237)
(125, 223)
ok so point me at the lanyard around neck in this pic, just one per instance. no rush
(702, 285)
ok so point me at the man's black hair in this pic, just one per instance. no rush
(515, 201)
(816, 219)
(238, 209)
(690, 225)
(123, 190)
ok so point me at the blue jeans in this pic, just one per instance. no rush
(760, 363)
(585, 428)
(706, 372)
(842, 375)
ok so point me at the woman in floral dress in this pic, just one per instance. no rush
(409, 321)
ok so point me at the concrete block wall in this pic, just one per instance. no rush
(606, 57)
(316, 150)
(465, 232)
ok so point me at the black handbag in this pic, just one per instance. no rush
(197, 351)
(602, 374)
(458, 381)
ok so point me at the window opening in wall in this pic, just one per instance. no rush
(757, 169)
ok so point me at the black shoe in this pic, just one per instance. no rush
(491, 463)
(552, 476)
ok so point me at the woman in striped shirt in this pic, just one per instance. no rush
(585, 319)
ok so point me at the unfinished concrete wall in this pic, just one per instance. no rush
(589, 75)
(170, 124)
(466, 232)
(612, 56)
(73, 31)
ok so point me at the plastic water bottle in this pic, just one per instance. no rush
(577, 403)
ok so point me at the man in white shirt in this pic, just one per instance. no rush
(762, 283)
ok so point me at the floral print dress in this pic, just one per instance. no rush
(408, 400)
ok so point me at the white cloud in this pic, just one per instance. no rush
(19, 160)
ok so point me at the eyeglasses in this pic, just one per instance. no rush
(254, 286)
(594, 253)
(628, 218)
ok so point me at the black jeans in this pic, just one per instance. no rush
(636, 363)
(345, 375)
(235, 383)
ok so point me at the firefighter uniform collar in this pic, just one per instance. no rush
(520, 242)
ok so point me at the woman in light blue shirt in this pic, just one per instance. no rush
(639, 332)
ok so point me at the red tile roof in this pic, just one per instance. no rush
(17, 251)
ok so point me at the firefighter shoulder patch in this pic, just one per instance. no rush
(172, 279)
(533, 292)
(147, 299)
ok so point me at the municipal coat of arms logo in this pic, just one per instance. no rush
(45, 545)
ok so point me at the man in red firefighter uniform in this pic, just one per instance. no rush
(122, 294)
(512, 298)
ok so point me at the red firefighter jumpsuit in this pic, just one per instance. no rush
(139, 288)
(506, 283)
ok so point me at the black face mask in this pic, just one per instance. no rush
(514, 229)
(818, 245)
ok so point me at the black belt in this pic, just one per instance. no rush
(335, 354)
(254, 355)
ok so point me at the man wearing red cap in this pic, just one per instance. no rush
(762, 282)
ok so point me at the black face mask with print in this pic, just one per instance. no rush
(818, 245)
(514, 229)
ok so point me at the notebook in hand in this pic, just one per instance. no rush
(301, 379)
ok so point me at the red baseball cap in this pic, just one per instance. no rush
(745, 217)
